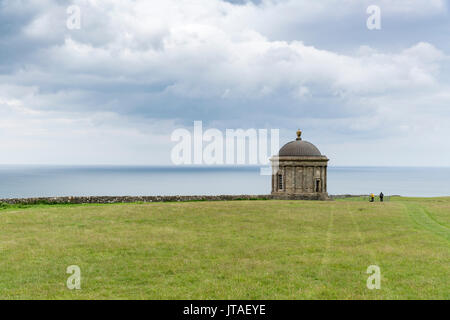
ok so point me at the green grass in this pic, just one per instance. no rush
(228, 250)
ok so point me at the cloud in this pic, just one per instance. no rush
(137, 70)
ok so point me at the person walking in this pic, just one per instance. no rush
(372, 197)
(381, 197)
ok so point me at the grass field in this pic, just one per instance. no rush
(228, 250)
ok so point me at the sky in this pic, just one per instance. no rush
(114, 90)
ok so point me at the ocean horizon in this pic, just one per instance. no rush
(26, 181)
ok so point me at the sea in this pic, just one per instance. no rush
(23, 181)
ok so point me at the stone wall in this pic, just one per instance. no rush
(346, 196)
(131, 199)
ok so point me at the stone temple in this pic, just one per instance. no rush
(299, 171)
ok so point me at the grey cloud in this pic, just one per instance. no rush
(241, 65)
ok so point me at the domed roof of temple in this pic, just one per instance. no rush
(299, 148)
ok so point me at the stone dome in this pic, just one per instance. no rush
(299, 148)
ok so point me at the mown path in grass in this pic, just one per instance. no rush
(424, 219)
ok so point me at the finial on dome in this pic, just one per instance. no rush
(299, 134)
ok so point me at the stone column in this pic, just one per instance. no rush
(294, 179)
(273, 180)
(322, 179)
(304, 179)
